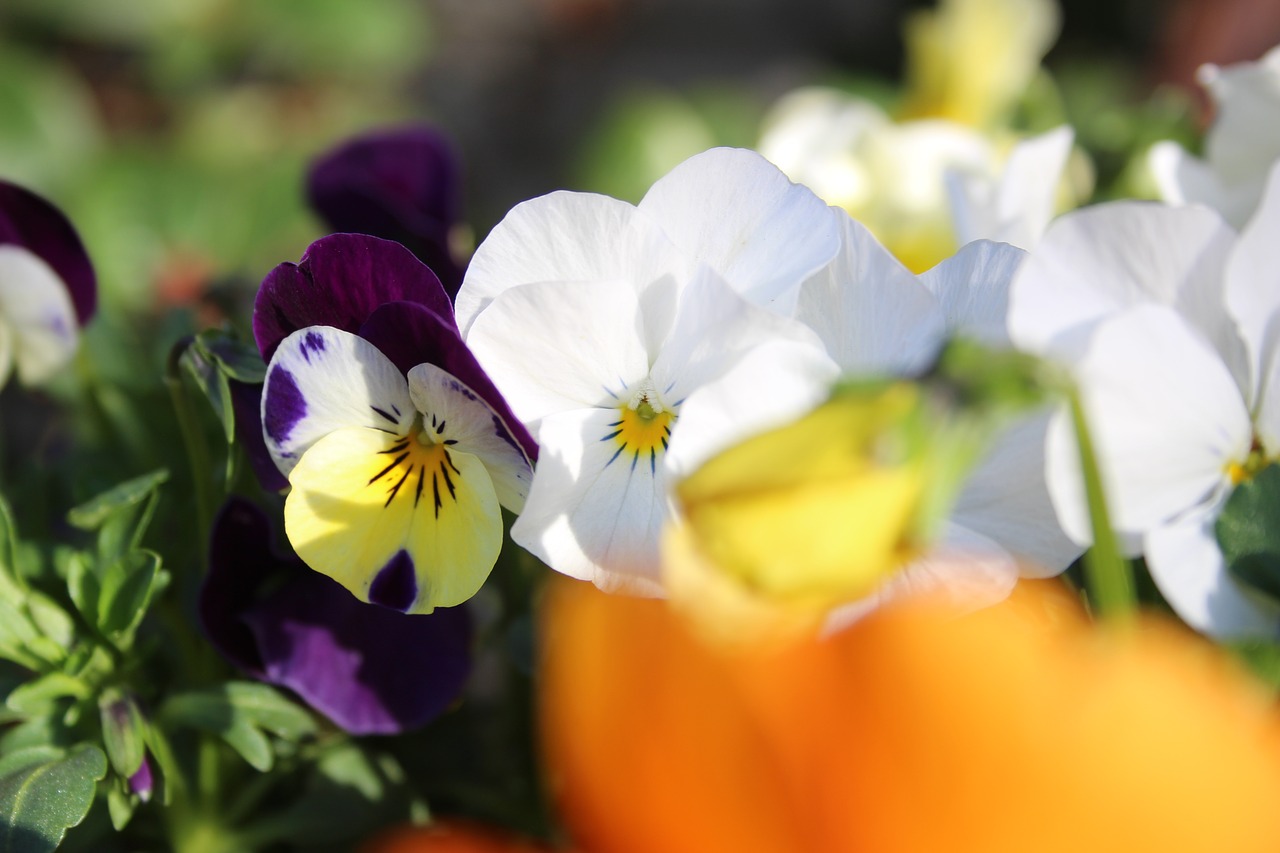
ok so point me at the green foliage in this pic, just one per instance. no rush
(241, 713)
(1248, 532)
(44, 792)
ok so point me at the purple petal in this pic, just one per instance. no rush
(410, 335)
(246, 404)
(403, 184)
(369, 669)
(341, 279)
(141, 781)
(29, 221)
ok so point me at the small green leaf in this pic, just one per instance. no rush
(1262, 657)
(1248, 531)
(41, 801)
(251, 743)
(123, 731)
(213, 384)
(127, 587)
(30, 756)
(238, 359)
(169, 777)
(91, 514)
(50, 619)
(120, 805)
(84, 587)
(39, 697)
(267, 708)
(48, 730)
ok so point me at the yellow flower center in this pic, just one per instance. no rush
(422, 452)
(1240, 472)
(642, 429)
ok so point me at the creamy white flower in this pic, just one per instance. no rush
(1168, 324)
(1240, 147)
(596, 319)
(923, 187)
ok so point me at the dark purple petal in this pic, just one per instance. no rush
(341, 279)
(410, 335)
(246, 404)
(29, 221)
(403, 184)
(396, 584)
(369, 669)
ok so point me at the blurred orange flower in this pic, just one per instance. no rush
(1022, 727)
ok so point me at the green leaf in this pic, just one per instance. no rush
(127, 588)
(41, 801)
(238, 359)
(212, 382)
(84, 587)
(1262, 657)
(169, 776)
(1248, 531)
(238, 712)
(49, 730)
(120, 805)
(268, 708)
(91, 514)
(39, 697)
(16, 636)
(123, 731)
(50, 619)
(30, 756)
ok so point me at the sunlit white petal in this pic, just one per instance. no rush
(41, 320)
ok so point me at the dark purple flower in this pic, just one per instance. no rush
(403, 184)
(379, 290)
(368, 668)
(49, 289)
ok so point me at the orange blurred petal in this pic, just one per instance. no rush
(1019, 728)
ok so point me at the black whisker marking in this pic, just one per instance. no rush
(653, 461)
(417, 495)
(448, 481)
(615, 455)
(396, 448)
(380, 413)
(435, 489)
(396, 488)
(440, 428)
(378, 476)
(612, 435)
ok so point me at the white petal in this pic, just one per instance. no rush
(714, 327)
(322, 379)
(565, 236)
(559, 345)
(1165, 416)
(970, 570)
(736, 212)
(1253, 299)
(1188, 567)
(1006, 499)
(869, 310)
(1022, 200)
(972, 287)
(591, 513)
(456, 415)
(773, 385)
(1100, 260)
(35, 305)
(1242, 143)
(1183, 179)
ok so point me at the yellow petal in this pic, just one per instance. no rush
(404, 523)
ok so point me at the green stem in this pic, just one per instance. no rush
(197, 449)
(1107, 574)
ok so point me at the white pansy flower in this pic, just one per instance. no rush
(1240, 147)
(1168, 324)
(597, 319)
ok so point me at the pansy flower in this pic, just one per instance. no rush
(1239, 148)
(1167, 322)
(47, 287)
(369, 669)
(403, 184)
(398, 449)
(598, 318)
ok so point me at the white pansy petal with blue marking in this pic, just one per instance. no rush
(36, 307)
(322, 379)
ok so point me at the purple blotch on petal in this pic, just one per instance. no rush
(312, 342)
(396, 584)
(339, 282)
(370, 669)
(410, 335)
(284, 407)
(27, 220)
(403, 184)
